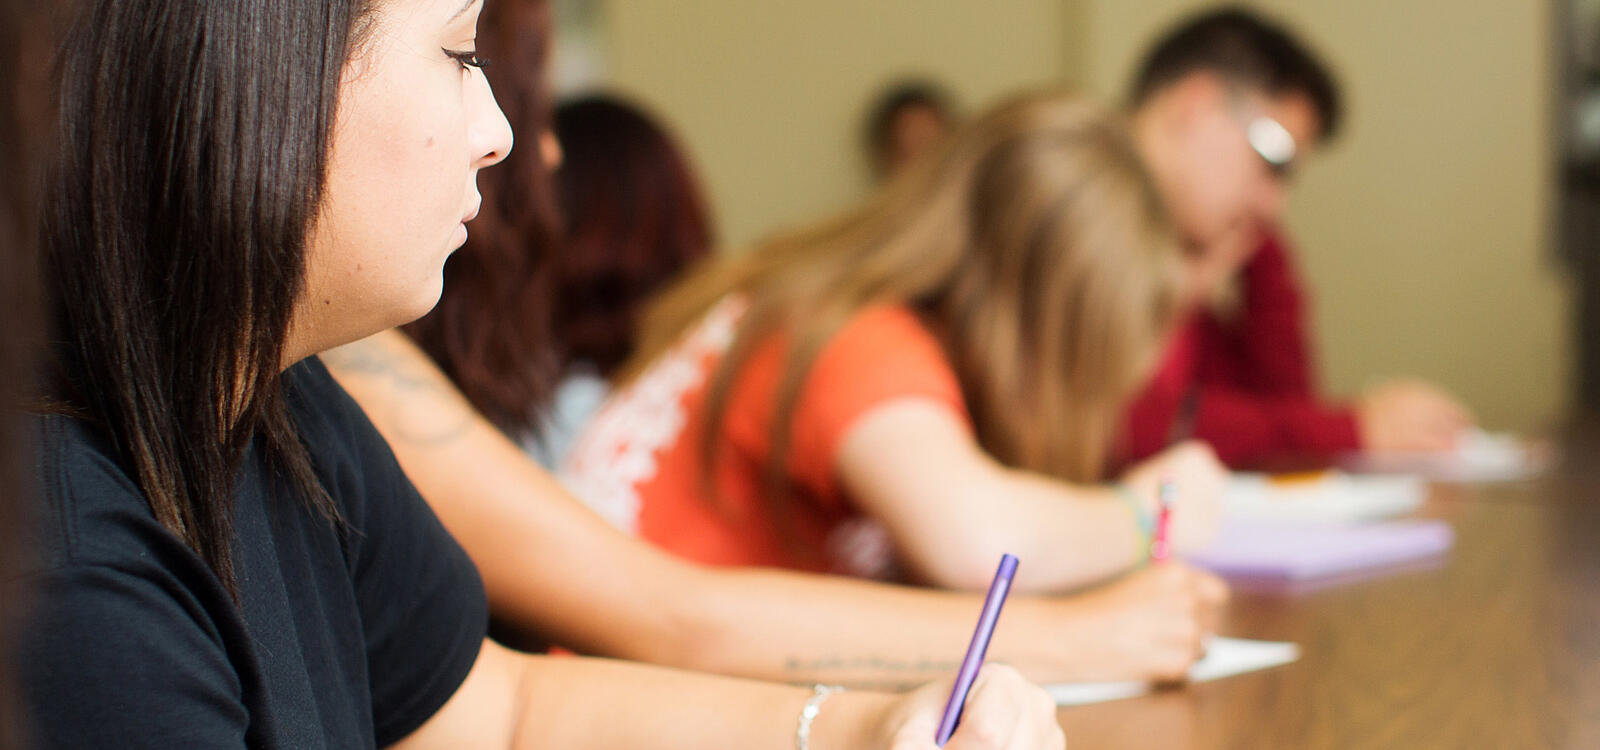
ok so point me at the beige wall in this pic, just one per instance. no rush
(769, 95)
(1423, 229)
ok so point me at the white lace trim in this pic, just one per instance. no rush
(862, 547)
(621, 448)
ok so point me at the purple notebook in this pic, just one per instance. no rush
(1291, 553)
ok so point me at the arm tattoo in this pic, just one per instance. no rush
(867, 672)
(447, 417)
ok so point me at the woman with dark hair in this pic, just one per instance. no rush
(634, 219)
(557, 572)
(230, 555)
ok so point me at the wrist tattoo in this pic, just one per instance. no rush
(875, 672)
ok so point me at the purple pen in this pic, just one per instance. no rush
(975, 650)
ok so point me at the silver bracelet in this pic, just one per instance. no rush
(802, 733)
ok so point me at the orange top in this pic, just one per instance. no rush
(639, 464)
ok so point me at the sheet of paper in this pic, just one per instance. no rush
(1481, 457)
(1225, 657)
(1327, 497)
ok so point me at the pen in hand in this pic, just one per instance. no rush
(1161, 544)
(977, 648)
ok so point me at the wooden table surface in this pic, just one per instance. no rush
(1497, 645)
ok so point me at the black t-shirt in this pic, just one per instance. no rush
(339, 639)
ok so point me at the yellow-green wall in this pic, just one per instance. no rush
(769, 96)
(1421, 231)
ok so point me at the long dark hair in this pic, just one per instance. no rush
(195, 143)
(635, 218)
(490, 331)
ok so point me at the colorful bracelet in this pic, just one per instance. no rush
(1143, 521)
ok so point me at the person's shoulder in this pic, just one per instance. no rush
(886, 332)
(883, 352)
(87, 509)
(315, 398)
(891, 317)
(351, 458)
(328, 421)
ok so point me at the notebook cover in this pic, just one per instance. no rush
(1289, 552)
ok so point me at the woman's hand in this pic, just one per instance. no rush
(1003, 712)
(1198, 480)
(1150, 625)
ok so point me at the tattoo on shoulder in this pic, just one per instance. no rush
(447, 416)
(366, 357)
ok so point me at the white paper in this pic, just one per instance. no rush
(1225, 657)
(1479, 457)
(1333, 497)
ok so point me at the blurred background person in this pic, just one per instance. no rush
(1468, 292)
(1226, 106)
(540, 550)
(921, 384)
(905, 122)
(634, 217)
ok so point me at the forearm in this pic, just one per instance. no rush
(603, 705)
(1068, 536)
(953, 510)
(518, 701)
(804, 629)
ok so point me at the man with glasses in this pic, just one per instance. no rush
(1225, 107)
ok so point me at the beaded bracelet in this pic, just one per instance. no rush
(1144, 523)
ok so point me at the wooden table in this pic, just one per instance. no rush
(1496, 646)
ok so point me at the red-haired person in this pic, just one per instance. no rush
(634, 217)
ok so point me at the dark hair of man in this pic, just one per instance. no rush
(195, 144)
(899, 97)
(1246, 50)
(490, 331)
(621, 245)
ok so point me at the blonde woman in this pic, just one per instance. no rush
(919, 386)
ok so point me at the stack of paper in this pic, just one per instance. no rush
(1225, 657)
(1480, 457)
(1327, 497)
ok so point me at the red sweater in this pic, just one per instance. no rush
(1244, 385)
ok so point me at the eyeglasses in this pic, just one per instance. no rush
(1269, 138)
(1273, 143)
